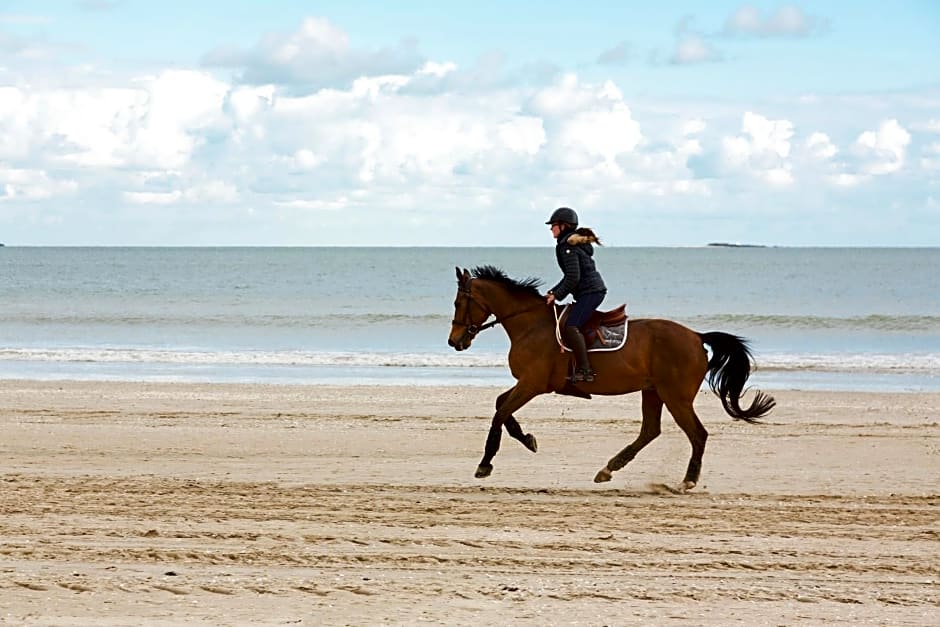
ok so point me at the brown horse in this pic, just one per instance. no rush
(664, 360)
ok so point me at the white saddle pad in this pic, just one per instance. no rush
(608, 338)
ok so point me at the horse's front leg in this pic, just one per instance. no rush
(512, 400)
(514, 429)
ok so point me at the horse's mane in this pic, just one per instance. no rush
(529, 285)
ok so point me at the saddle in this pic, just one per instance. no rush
(604, 330)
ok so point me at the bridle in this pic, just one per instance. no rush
(470, 329)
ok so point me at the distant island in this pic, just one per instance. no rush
(730, 245)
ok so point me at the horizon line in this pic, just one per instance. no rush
(469, 246)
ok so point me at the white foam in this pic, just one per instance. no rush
(924, 363)
(253, 358)
(852, 362)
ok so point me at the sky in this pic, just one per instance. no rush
(292, 123)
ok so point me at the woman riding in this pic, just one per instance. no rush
(574, 251)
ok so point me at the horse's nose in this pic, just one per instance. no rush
(451, 343)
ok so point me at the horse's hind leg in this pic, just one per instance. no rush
(649, 431)
(688, 421)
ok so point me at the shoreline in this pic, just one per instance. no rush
(227, 503)
(794, 380)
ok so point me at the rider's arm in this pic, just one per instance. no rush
(568, 261)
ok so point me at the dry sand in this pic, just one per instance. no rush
(130, 503)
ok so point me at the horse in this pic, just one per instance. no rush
(662, 359)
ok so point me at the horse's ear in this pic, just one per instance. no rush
(459, 277)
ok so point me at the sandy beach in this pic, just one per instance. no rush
(164, 504)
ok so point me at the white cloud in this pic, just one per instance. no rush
(817, 160)
(821, 147)
(214, 192)
(318, 54)
(779, 176)
(786, 21)
(306, 159)
(153, 198)
(327, 205)
(154, 124)
(604, 134)
(180, 106)
(883, 151)
(843, 179)
(767, 136)
(522, 135)
(588, 125)
(692, 187)
(693, 126)
(692, 48)
(438, 70)
(874, 153)
(427, 140)
(19, 184)
(762, 149)
(246, 102)
(186, 138)
(567, 96)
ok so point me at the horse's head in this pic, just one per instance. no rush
(469, 314)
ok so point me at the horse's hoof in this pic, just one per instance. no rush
(685, 486)
(530, 443)
(603, 475)
(483, 470)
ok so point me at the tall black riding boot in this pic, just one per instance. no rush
(575, 341)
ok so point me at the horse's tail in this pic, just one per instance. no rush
(728, 370)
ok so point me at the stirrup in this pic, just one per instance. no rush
(583, 375)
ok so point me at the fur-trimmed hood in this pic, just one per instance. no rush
(581, 236)
(576, 239)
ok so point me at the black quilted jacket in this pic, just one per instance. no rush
(575, 254)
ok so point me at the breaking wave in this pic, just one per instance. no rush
(921, 363)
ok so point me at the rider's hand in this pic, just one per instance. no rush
(549, 299)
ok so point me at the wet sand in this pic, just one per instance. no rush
(164, 504)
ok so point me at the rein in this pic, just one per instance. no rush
(472, 329)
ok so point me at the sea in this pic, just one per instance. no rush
(862, 319)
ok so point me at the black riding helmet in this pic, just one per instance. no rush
(564, 214)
